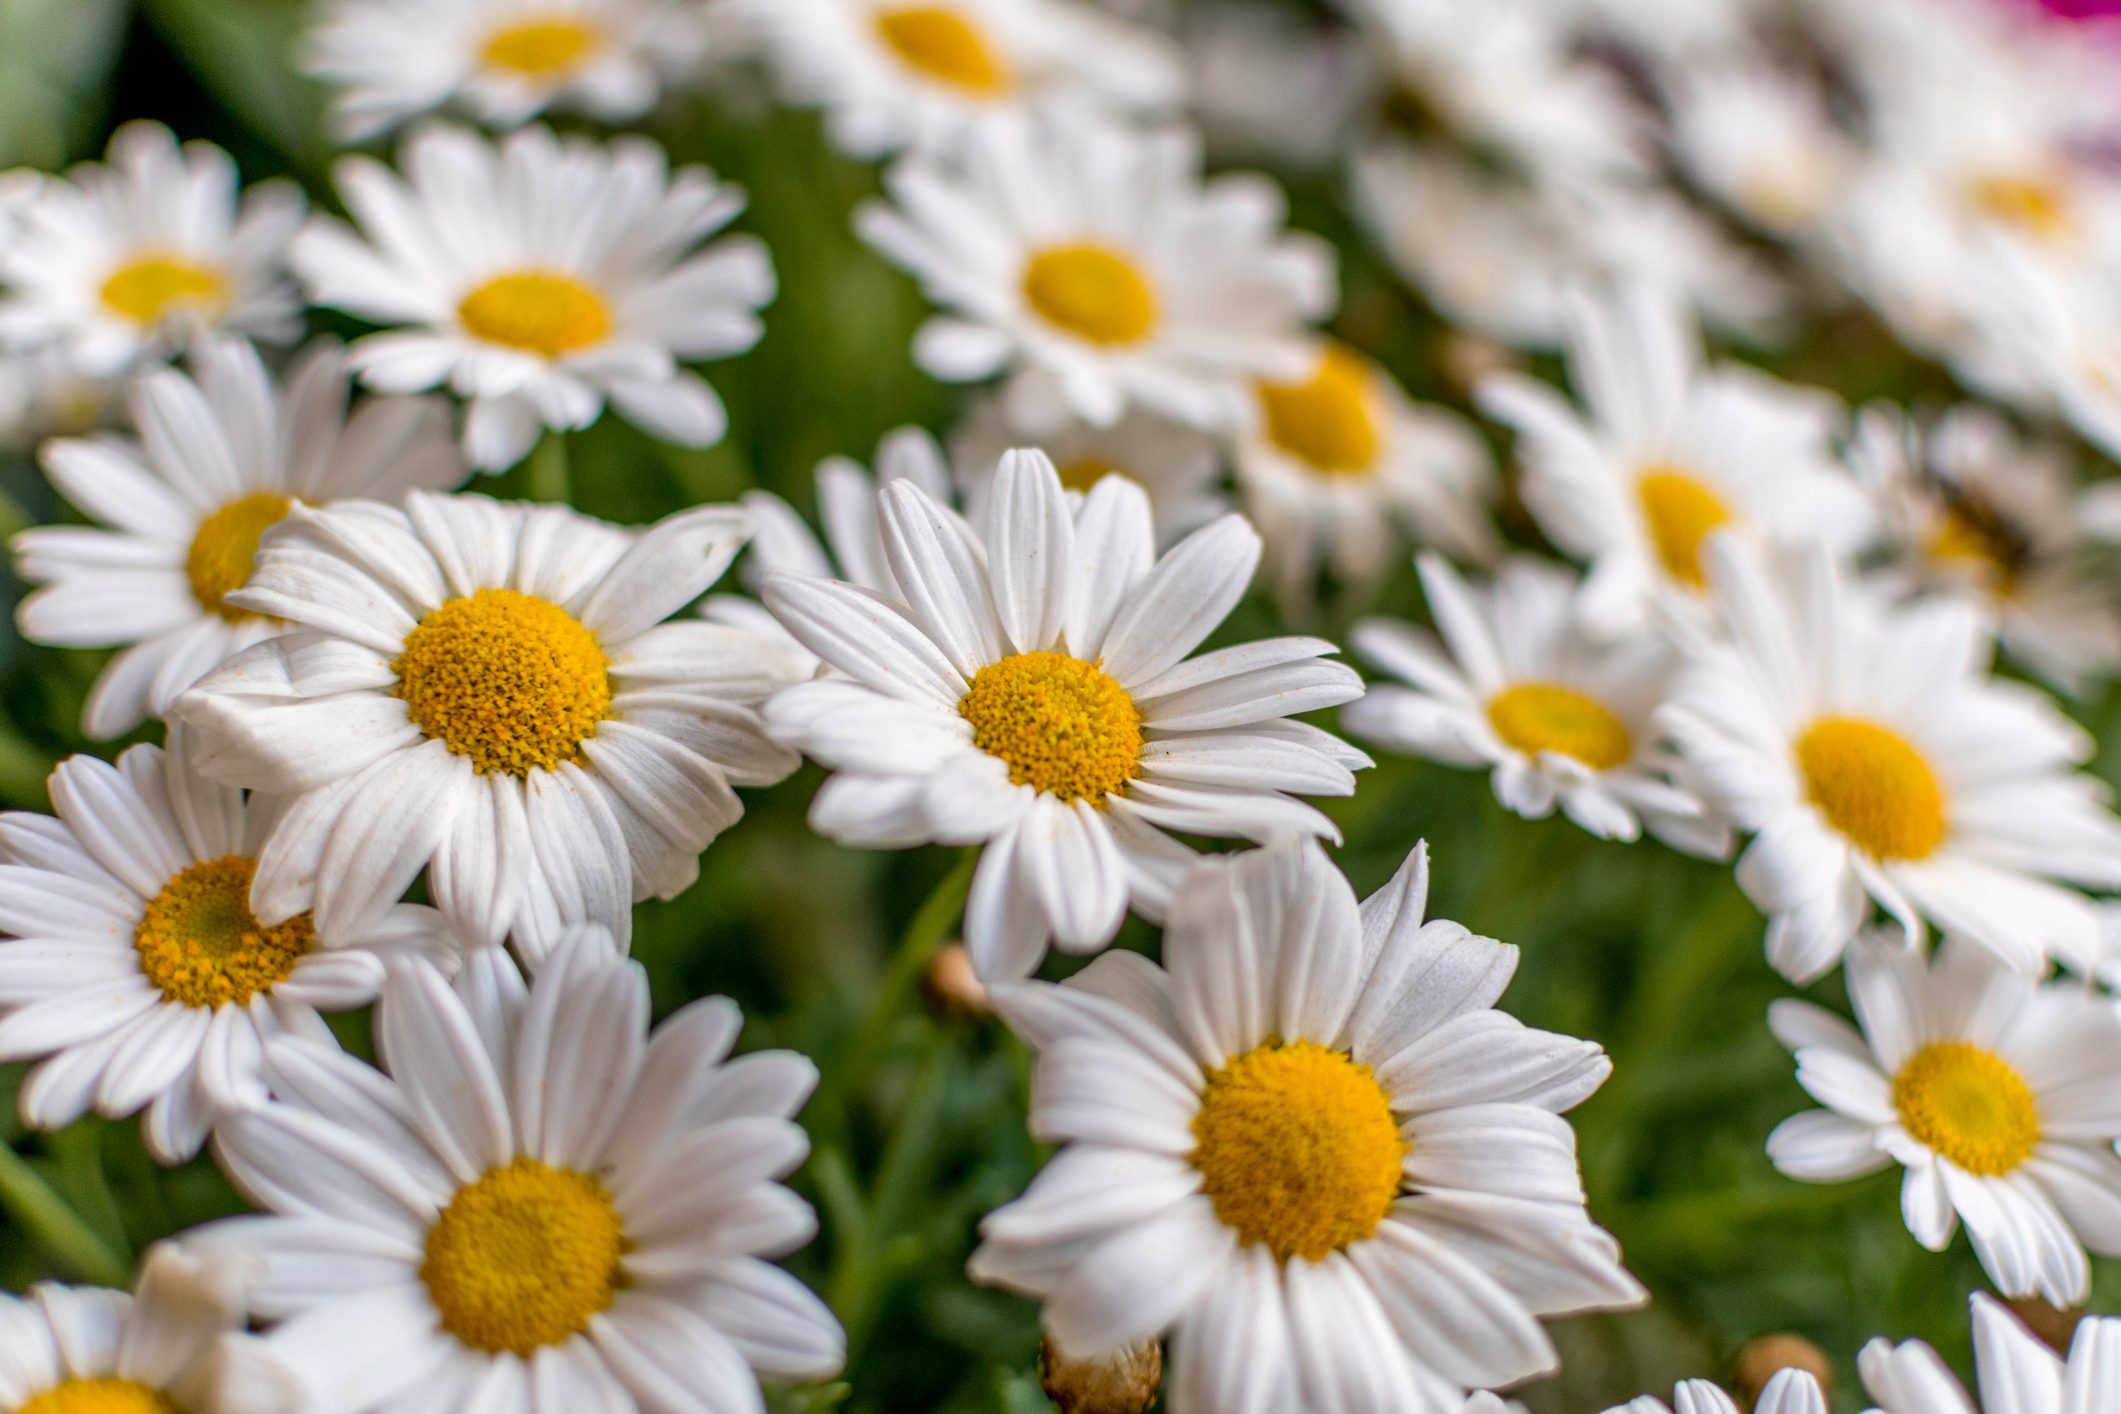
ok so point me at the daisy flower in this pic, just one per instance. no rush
(490, 692)
(223, 455)
(1761, 139)
(1091, 263)
(542, 1206)
(1872, 757)
(1035, 694)
(1665, 452)
(42, 395)
(892, 75)
(2052, 342)
(1514, 684)
(539, 278)
(503, 61)
(136, 975)
(1306, 1151)
(1788, 1392)
(131, 258)
(2017, 1372)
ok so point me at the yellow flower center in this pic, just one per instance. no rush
(543, 47)
(510, 680)
(938, 42)
(1326, 420)
(1544, 716)
(1872, 786)
(99, 1396)
(1973, 535)
(219, 561)
(1298, 1149)
(522, 1258)
(1969, 1105)
(2037, 203)
(154, 287)
(1082, 473)
(1091, 291)
(1063, 726)
(1681, 513)
(537, 311)
(202, 946)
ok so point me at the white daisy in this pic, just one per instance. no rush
(1093, 264)
(1995, 1092)
(223, 456)
(1666, 451)
(136, 974)
(539, 278)
(1514, 684)
(1872, 757)
(1035, 694)
(43, 395)
(892, 75)
(490, 692)
(542, 1207)
(130, 258)
(2051, 341)
(1306, 1150)
(504, 61)
(1274, 85)
(1761, 139)
(2018, 1374)
(1788, 1392)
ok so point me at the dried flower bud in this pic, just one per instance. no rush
(1121, 1383)
(2055, 1326)
(953, 988)
(1763, 1357)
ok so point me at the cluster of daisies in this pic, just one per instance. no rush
(1303, 1148)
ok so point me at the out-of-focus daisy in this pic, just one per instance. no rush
(2052, 341)
(2016, 1371)
(490, 692)
(1307, 1150)
(539, 278)
(1872, 757)
(222, 457)
(1092, 263)
(1788, 1392)
(137, 975)
(133, 257)
(43, 395)
(503, 61)
(1760, 138)
(1273, 85)
(1340, 468)
(1035, 694)
(1515, 684)
(543, 1207)
(1667, 451)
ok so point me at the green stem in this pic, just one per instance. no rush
(550, 477)
(54, 1226)
(924, 934)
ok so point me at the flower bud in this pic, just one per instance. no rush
(1124, 1382)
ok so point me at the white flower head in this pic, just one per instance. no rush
(2050, 340)
(43, 395)
(2017, 1373)
(1786, 1392)
(1761, 139)
(1511, 681)
(491, 692)
(137, 976)
(540, 277)
(1032, 687)
(1306, 1150)
(129, 259)
(1092, 264)
(542, 1206)
(222, 456)
(1872, 757)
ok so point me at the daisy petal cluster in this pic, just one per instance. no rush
(2019, 1374)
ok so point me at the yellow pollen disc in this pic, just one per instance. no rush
(1681, 513)
(523, 1258)
(1085, 472)
(154, 287)
(100, 1396)
(510, 680)
(1544, 716)
(219, 561)
(1969, 1105)
(1298, 1149)
(547, 47)
(1872, 786)
(1975, 536)
(1327, 420)
(1093, 292)
(2037, 203)
(938, 42)
(537, 311)
(1062, 725)
(202, 946)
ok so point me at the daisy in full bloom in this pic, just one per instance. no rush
(2052, 341)
(1787, 1392)
(130, 258)
(1871, 756)
(892, 75)
(222, 456)
(1029, 687)
(1762, 140)
(539, 278)
(1512, 682)
(503, 61)
(1091, 263)
(490, 692)
(136, 974)
(1993, 1090)
(1305, 1150)
(1665, 452)
(2017, 1372)
(542, 1207)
